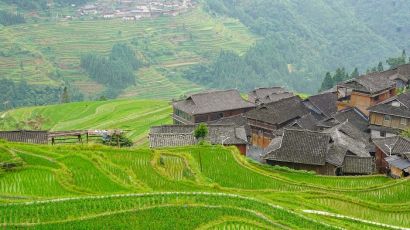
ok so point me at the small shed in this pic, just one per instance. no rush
(399, 167)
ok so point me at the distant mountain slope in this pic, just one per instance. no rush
(308, 38)
(47, 51)
(297, 42)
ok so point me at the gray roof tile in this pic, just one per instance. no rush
(279, 112)
(214, 101)
(301, 146)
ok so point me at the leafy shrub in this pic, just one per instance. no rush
(201, 131)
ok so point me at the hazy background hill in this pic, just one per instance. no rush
(304, 39)
(217, 44)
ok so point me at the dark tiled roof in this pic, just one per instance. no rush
(301, 146)
(266, 95)
(182, 135)
(328, 123)
(398, 162)
(391, 110)
(325, 103)
(403, 71)
(307, 121)
(316, 148)
(372, 83)
(399, 145)
(349, 138)
(354, 116)
(404, 99)
(387, 107)
(215, 101)
(358, 165)
(279, 112)
(336, 155)
(238, 121)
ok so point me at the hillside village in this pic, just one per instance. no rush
(352, 129)
(355, 128)
(131, 10)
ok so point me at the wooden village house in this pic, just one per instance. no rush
(390, 117)
(334, 152)
(209, 106)
(365, 91)
(267, 118)
(183, 135)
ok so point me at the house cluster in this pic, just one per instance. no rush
(352, 129)
(131, 10)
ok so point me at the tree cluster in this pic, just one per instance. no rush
(340, 75)
(13, 95)
(115, 71)
(296, 53)
(259, 67)
(8, 19)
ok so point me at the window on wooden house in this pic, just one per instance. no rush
(387, 118)
(403, 121)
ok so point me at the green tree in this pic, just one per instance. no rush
(339, 75)
(201, 131)
(394, 62)
(327, 82)
(380, 67)
(406, 133)
(65, 97)
(355, 73)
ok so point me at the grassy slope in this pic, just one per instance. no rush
(169, 42)
(112, 188)
(135, 115)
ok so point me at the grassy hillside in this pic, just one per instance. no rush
(215, 188)
(134, 115)
(48, 52)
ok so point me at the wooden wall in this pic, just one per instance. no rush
(395, 122)
(396, 172)
(381, 165)
(363, 101)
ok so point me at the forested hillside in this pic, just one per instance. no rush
(216, 44)
(304, 39)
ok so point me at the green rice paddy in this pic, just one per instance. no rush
(198, 187)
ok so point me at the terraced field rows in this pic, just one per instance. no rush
(213, 187)
(35, 50)
(134, 115)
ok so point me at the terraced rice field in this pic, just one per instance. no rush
(34, 51)
(198, 187)
(134, 115)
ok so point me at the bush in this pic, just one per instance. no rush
(201, 131)
(112, 141)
